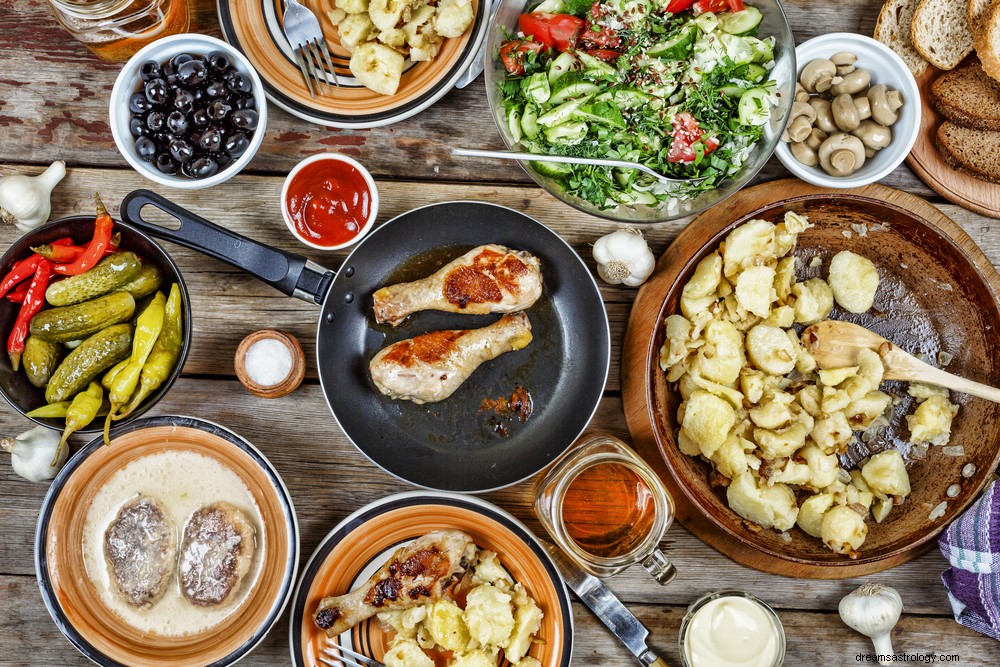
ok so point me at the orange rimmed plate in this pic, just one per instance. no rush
(75, 603)
(255, 29)
(361, 543)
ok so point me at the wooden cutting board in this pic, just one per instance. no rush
(925, 159)
(699, 507)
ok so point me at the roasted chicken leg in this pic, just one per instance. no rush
(432, 366)
(487, 279)
(416, 574)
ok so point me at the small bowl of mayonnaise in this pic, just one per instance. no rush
(730, 629)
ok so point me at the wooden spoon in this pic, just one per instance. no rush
(836, 345)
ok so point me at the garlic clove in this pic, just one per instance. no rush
(873, 610)
(32, 453)
(25, 201)
(624, 257)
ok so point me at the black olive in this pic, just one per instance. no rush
(218, 110)
(218, 61)
(146, 149)
(211, 140)
(215, 88)
(139, 103)
(224, 161)
(184, 101)
(166, 164)
(155, 120)
(177, 123)
(181, 150)
(137, 126)
(192, 72)
(175, 62)
(156, 91)
(186, 169)
(150, 70)
(245, 102)
(236, 145)
(238, 82)
(204, 167)
(244, 119)
(200, 117)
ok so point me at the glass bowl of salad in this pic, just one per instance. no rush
(698, 91)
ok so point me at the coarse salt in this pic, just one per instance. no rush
(268, 362)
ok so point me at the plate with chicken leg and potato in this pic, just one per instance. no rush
(461, 346)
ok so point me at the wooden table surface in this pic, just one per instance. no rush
(53, 105)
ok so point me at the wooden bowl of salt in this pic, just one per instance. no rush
(270, 363)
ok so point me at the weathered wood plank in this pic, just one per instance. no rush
(63, 112)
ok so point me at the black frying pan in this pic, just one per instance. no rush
(15, 387)
(451, 445)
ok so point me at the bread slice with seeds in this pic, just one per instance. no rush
(893, 30)
(968, 97)
(940, 32)
(988, 41)
(975, 13)
(973, 152)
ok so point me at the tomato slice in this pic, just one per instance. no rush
(718, 6)
(678, 6)
(594, 34)
(564, 30)
(685, 135)
(513, 54)
(607, 55)
(536, 25)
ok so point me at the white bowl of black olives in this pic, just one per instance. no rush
(188, 111)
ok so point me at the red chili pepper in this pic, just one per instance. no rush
(64, 253)
(34, 299)
(21, 271)
(94, 250)
(17, 294)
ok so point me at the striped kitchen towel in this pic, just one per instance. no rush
(972, 546)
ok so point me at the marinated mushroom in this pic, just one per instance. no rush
(818, 75)
(863, 106)
(841, 154)
(844, 60)
(802, 117)
(895, 99)
(815, 138)
(845, 114)
(801, 94)
(824, 114)
(882, 111)
(852, 83)
(873, 135)
(804, 153)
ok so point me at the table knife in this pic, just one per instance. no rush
(608, 608)
(479, 62)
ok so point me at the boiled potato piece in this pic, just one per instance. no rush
(870, 367)
(752, 384)
(453, 17)
(833, 376)
(823, 466)
(708, 420)
(772, 415)
(489, 615)
(404, 621)
(731, 457)
(770, 350)
(922, 392)
(377, 66)
(734, 397)
(767, 506)
(835, 399)
(796, 223)
(352, 6)
(859, 492)
(853, 280)
(701, 291)
(474, 659)
(675, 349)
(776, 444)
(813, 301)
(792, 472)
(863, 411)
(886, 473)
(354, 30)
(811, 511)
(755, 290)
(832, 432)
(722, 358)
(810, 397)
(754, 239)
(404, 652)
(527, 621)
(931, 421)
(843, 530)
(337, 15)
(425, 46)
(393, 37)
(489, 570)
(386, 14)
(446, 625)
(856, 387)
(784, 278)
(782, 316)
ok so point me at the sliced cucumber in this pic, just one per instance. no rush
(605, 113)
(550, 7)
(537, 88)
(514, 123)
(561, 64)
(572, 91)
(741, 23)
(567, 134)
(707, 21)
(738, 48)
(763, 52)
(529, 122)
(637, 197)
(552, 169)
(751, 72)
(755, 106)
(561, 113)
(625, 98)
(732, 91)
(595, 66)
(677, 47)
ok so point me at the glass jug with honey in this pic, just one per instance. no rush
(115, 29)
(607, 509)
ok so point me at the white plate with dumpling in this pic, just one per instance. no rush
(822, 474)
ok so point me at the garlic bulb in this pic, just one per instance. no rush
(624, 257)
(873, 610)
(24, 200)
(32, 453)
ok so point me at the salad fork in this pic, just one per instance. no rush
(358, 660)
(538, 157)
(306, 38)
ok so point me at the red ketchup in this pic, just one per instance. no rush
(329, 202)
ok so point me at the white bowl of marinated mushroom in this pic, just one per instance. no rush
(856, 112)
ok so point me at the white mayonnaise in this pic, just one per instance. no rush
(732, 631)
(182, 481)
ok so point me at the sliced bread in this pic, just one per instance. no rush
(975, 13)
(940, 32)
(974, 152)
(968, 97)
(893, 30)
(988, 41)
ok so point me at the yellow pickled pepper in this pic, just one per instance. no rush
(81, 411)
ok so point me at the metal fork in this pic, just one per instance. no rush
(311, 53)
(361, 660)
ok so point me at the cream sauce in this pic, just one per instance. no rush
(732, 632)
(183, 482)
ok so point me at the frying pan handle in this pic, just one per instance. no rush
(287, 272)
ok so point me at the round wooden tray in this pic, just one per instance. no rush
(922, 249)
(955, 186)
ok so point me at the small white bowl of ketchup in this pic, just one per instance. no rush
(329, 201)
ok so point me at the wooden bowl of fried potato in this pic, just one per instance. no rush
(938, 293)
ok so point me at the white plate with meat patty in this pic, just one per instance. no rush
(361, 544)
